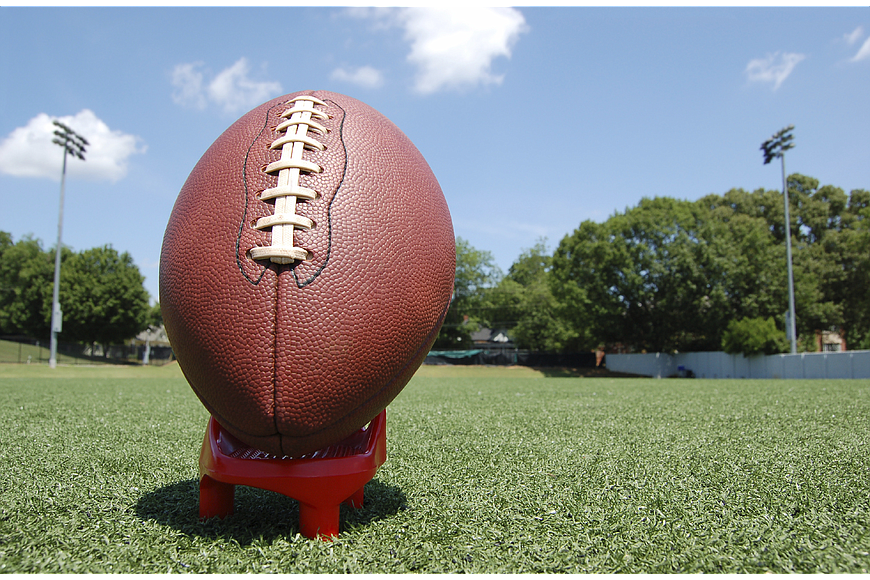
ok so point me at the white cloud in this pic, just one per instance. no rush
(188, 85)
(854, 36)
(364, 76)
(453, 47)
(863, 52)
(232, 89)
(29, 152)
(774, 68)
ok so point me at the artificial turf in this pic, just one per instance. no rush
(487, 471)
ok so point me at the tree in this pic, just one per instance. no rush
(102, 293)
(849, 248)
(475, 272)
(523, 303)
(155, 316)
(103, 297)
(745, 245)
(25, 286)
(670, 275)
(753, 336)
(647, 278)
(824, 224)
(502, 305)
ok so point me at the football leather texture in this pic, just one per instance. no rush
(306, 270)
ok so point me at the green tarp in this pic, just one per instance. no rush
(455, 353)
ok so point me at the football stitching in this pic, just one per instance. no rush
(301, 118)
(300, 284)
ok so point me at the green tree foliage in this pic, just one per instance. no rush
(648, 278)
(26, 273)
(155, 316)
(855, 295)
(476, 271)
(101, 292)
(669, 275)
(752, 336)
(103, 297)
(524, 304)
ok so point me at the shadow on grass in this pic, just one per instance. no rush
(258, 514)
(589, 372)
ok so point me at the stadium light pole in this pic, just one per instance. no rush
(776, 146)
(73, 144)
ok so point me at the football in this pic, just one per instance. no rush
(306, 270)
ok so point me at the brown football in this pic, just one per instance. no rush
(305, 272)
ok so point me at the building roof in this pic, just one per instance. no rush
(488, 335)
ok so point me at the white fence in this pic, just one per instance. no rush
(719, 365)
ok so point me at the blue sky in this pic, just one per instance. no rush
(532, 119)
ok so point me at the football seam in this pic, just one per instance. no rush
(245, 212)
(329, 207)
(281, 436)
(426, 341)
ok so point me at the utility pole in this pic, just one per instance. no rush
(73, 144)
(776, 146)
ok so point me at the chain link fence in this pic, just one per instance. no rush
(28, 350)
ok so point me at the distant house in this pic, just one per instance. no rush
(152, 343)
(153, 335)
(490, 337)
(829, 341)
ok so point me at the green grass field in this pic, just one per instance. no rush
(488, 470)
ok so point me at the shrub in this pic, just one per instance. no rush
(753, 336)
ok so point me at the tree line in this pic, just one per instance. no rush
(102, 293)
(666, 275)
(672, 275)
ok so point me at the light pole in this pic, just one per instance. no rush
(776, 146)
(73, 144)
